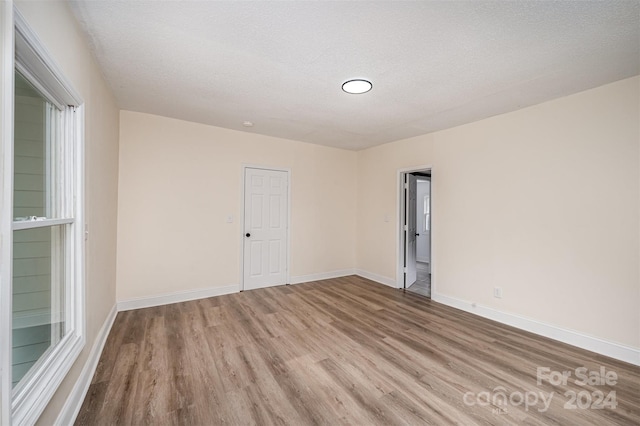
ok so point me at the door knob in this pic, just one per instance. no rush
(248, 235)
(417, 235)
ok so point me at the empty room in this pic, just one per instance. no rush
(319, 212)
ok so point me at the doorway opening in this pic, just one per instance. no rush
(415, 255)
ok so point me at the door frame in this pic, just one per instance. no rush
(400, 243)
(241, 222)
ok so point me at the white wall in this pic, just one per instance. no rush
(61, 36)
(511, 209)
(178, 183)
(423, 243)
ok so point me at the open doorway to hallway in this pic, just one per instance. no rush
(415, 231)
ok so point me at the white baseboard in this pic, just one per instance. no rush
(571, 337)
(72, 405)
(321, 276)
(176, 297)
(377, 278)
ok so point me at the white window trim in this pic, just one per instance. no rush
(27, 224)
(6, 209)
(25, 403)
(427, 212)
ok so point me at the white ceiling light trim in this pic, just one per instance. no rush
(357, 86)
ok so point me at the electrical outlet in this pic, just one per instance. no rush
(497, 292)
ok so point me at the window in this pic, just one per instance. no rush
(47, 249)
(427, 212)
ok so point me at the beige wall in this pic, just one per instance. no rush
(59, 32)
(378, 198)
(543, 202)
(178, 183)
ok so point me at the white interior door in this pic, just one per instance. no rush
(265, 228)
(411, 274)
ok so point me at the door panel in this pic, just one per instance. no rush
(265, 249)
(255, 253)
(274, 256)
(256, 211)
(274, 213)
(410, 240)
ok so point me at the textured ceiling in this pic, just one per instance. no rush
(280, 65)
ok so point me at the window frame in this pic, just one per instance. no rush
(427, 212)
(25, 403)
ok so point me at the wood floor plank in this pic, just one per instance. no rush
(344, 351)
(116, 408)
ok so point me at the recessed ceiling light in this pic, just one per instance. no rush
(247, 124)
(357, 86)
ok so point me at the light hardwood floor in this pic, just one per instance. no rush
(340, 351)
